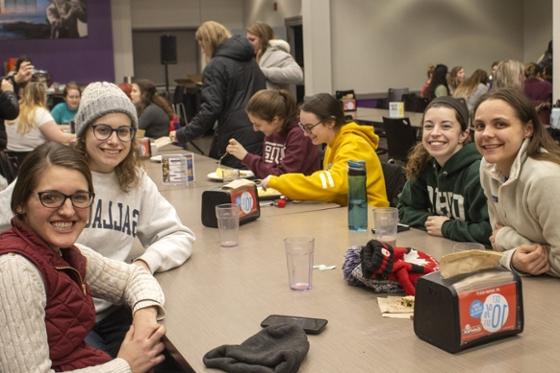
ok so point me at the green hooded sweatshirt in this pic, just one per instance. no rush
(452, 190)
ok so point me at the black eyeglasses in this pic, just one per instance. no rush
(55, 199)
(308, 128)
(104, 131)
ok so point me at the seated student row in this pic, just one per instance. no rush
(127, 204)
(520, 163)
(527, 258)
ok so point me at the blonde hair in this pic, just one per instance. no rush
(34, 96)
(210, 36)
(509, 74)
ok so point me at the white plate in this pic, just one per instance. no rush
(269, 193)
(244, 174)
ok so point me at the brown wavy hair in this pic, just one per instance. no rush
(148, 95)
(525, 111)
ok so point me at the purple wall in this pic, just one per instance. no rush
(83, 60)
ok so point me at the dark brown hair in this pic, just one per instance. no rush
(267, 104)
(418, 157)
(36, 162)
(326, 107)
(525, 112)
(148, 95)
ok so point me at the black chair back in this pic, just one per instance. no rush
(401, 137)
(395, 179)
(396, 94)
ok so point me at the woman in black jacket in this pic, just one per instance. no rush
(9, 109)
(229, 80)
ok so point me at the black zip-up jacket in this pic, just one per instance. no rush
(229, 80)
(9, 109)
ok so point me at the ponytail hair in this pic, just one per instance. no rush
(267, 104)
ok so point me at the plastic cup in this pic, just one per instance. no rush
(299, 257)
(227, 215)
(385, 220)
(229, 174)
(463, 246)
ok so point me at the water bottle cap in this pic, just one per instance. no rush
(358, 165)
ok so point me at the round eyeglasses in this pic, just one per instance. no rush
(104, 131)
(307, 128)
(55, 199)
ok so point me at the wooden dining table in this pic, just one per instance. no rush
(221, 294)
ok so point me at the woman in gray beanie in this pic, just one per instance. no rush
(127, 205)
(443, 193)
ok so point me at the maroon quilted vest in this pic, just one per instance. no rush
(69, 312)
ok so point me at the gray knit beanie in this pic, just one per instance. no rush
(100, 98)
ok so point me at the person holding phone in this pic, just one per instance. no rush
(47, 280)
(285, 147)
(442, 194)
(520, 173)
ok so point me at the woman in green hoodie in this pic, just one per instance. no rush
(443, 193)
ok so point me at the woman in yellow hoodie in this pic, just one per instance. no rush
(322, 120)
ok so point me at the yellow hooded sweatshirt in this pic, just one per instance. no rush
(353, 142)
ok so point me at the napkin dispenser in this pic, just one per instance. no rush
(241, 192)
(468, 310)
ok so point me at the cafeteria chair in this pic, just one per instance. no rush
(414, 103)
(395, 179)
(396, 94)
(401, 137)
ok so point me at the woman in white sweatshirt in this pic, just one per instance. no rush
(127, 203)
(520, 173)
(274, 58)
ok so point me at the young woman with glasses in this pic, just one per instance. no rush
(47, 280)
(322, 120)
(285, 147)
(442, 194)
(127, 203)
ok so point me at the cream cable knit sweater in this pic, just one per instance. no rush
(23, 336)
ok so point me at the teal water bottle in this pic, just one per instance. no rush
(357, 196)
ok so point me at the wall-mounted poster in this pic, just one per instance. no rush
(43, 19)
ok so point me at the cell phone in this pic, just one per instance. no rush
(309, 324)
(400, 228)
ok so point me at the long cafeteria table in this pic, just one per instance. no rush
(220, 296)
(375, 116)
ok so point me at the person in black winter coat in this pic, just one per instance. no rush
(229, 80)
(9, 109)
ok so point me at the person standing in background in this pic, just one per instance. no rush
(154, 112)
(274, 58)
(229, 80)
(64, 112)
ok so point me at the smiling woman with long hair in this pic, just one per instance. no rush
(520, 173)
(442, 194)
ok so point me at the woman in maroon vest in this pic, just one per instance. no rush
(47, 281)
